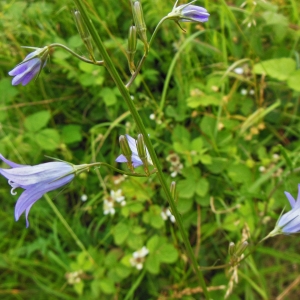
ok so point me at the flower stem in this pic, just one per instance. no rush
(124, 92)
(99, 63)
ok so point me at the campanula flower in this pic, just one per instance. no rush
(135, 158)
(37, 180)
(30, 67)
(290, 221)
(188, 13)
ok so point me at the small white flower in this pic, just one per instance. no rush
(117, 196)
(251, 92)
(108, 207)
(84, 197)
(238, 71)
(152, 117)
(166, 213)
(244, 92)
(138, 258)
(262, 169)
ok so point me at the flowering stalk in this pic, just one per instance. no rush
(126, 96)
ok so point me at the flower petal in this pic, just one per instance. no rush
(10, 163)
(30, 175)
(121, 159)
(34, 193)
(291, 199)
(132, 144)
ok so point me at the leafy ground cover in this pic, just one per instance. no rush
(220, 102)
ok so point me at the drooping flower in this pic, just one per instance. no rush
(138, 258)
(37, 180)
(290, 221)
(30, 67)
(188, 13)
(136, 160)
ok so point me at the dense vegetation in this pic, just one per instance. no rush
(220, 102)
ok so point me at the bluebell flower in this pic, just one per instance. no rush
(188, 13)
(36, 181)
(30, 67)
(290, 221)
(135, 159)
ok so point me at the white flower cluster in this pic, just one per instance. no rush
(109, 202)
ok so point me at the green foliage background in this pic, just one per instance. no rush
(237, 136)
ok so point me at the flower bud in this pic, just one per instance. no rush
(241, 248)
(131, 48)
(84, 33)
(231, 249)
(142, 152)
(188, 13)
(139, 21)
(126, 151)
(173, 189)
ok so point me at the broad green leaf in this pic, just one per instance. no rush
(37, 121)
(294, 81)
(167, 253)
(120, 233)
(108, 96)
(202, 187)
(204, 100)
(48, 139)
(186, 188)
(71, 134)
(7, 91)
(107, 286)
(152, 263)
(279, 68)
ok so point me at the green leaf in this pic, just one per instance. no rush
(239, 173)
(37, 121)
(120, 233)
(208, 125)
(48, 139)
(186, 188)
(153, 243)
(294, 81)
(167, 253)
(202, 187)
(78, 287)
(108, 96)
(107, 286)
(7, 91)
(204, 100)
(71, 134)
(152, 264)
(279, 68)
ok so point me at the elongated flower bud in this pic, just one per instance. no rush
(84, 33)
(141, 149)
(241, 248)
(131, 48)
(231, 249)
(126, 151)
(139, 21)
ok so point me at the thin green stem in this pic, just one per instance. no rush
(99, 63)
(67, 226)
(124, 92)
(138, 69)
(99, 164)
